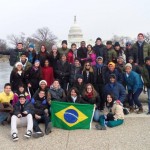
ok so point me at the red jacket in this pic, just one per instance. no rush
(70, 58)
(48, 75)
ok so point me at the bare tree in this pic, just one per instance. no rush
(147, 37)
(44, 36)
(3, 45)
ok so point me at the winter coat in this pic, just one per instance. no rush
(63, 51)
(101, 50)
(62, 71)
(34, 77)
(14, 55)
(121, 53)
(42, 56)
(92, 58)
(31, 56)
(69, 99)
(16, 98)
(146, 52)
(89, 79)
(40, 104)
(117, 110)
(116, 89)
(111, 55)
(117, 72)
(79, 87)
(71, 56)
(131, 53)
(74, 72)
(57, 94)
(133, 81)
(18, 108)
(16, 79)
(82, 53)
(53, 60)
(99, 73)
(48, 75)
(145, 76)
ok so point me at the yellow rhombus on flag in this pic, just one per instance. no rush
(81, 117)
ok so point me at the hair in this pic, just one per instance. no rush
(45, 61)
(91, 68)
(43, 46)
(7, 84)
(42, 91)
(95, 94)
(20, 43)
(83, 42)
(89, 45)
(75, 89)
(112, 96)
(73, 44)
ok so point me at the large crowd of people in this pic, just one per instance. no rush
(108, 76)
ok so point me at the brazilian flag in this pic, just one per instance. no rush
(71, 116)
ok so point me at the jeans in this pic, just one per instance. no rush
(3, 116)
(96, 115)
(21, 122)
(133, 98)
(148, 93)
(44, 119)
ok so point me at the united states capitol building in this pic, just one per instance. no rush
(75, 35)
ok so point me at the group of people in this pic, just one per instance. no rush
(108, 76)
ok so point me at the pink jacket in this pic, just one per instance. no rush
(16, 98)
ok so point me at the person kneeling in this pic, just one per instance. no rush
(41, 108)
(113, 114)
(22, 116)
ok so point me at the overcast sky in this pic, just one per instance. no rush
(97, 18)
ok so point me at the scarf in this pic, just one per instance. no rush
(89, 95)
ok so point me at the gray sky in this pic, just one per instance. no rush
(97, 18)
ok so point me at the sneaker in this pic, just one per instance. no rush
(99, 127)
(15, 137)
(28, 134)
(48, 129)
(38, 134)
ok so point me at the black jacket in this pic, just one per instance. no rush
(14, 55)
(100, 50)
(70, 100)
(79, 87)
(89, 79)
(62, 71)
(18, 108)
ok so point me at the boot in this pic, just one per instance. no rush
(140, 110)
(131, 109)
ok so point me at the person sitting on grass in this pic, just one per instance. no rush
(22, 116)
(41, 114)
(113, 114)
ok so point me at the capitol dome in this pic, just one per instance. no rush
(75, 34)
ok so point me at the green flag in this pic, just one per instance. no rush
(71, 116)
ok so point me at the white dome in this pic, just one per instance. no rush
(75, 34)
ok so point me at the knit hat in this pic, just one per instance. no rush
(54, 47)
(109, 43)
(98, 39)
(112, 76)
(31, 45)
(147, 58)
(141, 34)
(117, 44)
(18, 63)
(64, 42)
(42, 81)
(99, 57)
(120, 57)
(22, 96)
(37, 61)
(111, 63)
(128, 65)
(128, 43)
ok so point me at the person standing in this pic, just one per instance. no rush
(142, 48)
(14, 53)
(64, 49)
(100, 49)
(145, 70)
(135, 87)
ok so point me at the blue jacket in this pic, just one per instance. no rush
(116, 89)
(133, 81)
